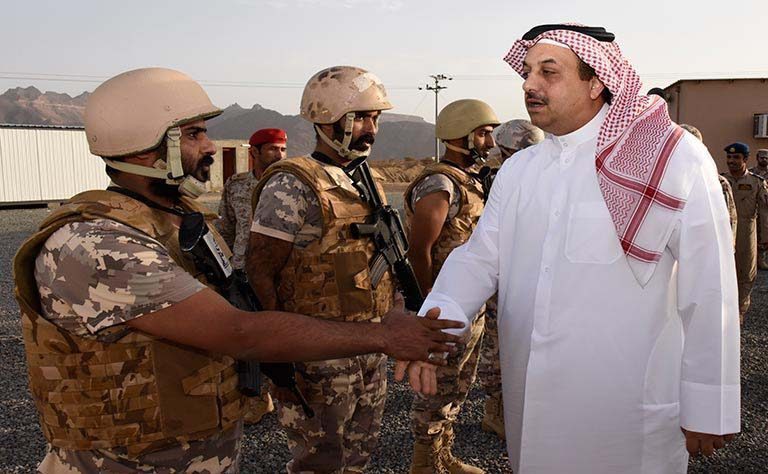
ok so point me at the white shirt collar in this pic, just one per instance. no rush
(585, 133)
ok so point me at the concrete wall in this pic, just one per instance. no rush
(723, 109)
(241, 163)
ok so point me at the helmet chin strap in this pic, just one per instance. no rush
(342, 148)
(471, 152)
(172, 170)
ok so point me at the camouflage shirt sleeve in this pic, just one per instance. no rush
(226, 222)
(435, 183)
(288, 210)
(98, 274)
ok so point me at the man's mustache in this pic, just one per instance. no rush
(536, 97)
(206, 160)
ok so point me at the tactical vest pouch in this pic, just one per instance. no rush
(353, 282)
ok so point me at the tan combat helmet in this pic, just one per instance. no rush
(460, 119)
(517, 134)
(337, 92)
(135, 111)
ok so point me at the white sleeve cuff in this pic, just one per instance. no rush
(448, 310)
(712, 409)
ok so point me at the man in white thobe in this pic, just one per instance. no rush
(610, 246)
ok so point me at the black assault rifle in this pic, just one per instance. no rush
(386, 230)
(195, 239)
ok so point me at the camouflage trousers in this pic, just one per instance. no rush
(219, 454)
(746, 262)
(348, 398)
(431, 416)
(489, 369)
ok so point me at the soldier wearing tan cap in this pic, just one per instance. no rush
(443, 205)
(761, 170)
(131, 351)
(751, 196)
(515, 135)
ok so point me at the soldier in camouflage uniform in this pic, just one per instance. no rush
(443, 206)
(751, 196)
(130, 350)
(511, 137)
(266, 146)
(761, 170)
(727, 191)
(302, 257)
(515, 135)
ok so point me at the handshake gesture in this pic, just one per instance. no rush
(419, 345)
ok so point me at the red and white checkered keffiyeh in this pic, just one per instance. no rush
(634, 147)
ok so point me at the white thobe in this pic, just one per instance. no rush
(599, 373)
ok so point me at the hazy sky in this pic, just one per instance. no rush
(263, 51)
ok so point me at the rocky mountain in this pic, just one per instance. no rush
(30, 106)
(399, 136)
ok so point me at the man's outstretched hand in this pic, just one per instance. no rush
(422, 375)
(410, 337)
(704, 443)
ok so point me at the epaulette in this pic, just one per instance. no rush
(756, 175)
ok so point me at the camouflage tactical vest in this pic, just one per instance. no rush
(457, 230)
(140, 392)
(329, 278)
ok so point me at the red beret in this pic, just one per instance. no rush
(268, 135)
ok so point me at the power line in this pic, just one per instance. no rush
(436, 88)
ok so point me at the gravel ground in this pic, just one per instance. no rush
(22, 445)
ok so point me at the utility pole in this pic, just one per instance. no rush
(436, 88)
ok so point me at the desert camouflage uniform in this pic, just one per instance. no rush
(731, 204)
(432, 417)
(751, 197)
(489, 369)
(762, 255)
(235, 215)
(436, 183)
(93, 277)
(234, 225)
(347, 394)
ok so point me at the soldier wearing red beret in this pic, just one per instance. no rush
(267, 146)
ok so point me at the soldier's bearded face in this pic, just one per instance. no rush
(483, 140)
(364, 130)
(762, 160)
(197, 150)
(269, 153)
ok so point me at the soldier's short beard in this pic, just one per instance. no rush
(359, 144)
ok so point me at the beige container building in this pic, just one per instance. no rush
(231, 158)
(725, 110)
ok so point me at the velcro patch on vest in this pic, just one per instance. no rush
(745, 187)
